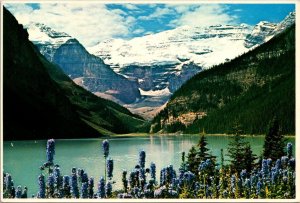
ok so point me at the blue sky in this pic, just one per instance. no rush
(91, 23)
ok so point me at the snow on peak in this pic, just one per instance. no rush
(39, 33)
(206, 46)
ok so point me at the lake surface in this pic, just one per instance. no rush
(23, 160)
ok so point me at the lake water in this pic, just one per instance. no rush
(23, 160)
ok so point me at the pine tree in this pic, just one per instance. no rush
(202, 152)
(236, 150)
(249, 158)
(274, 141)
(193, 166)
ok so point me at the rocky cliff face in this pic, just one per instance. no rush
(93, 74)
(85, 69)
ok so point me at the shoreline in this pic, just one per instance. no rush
(145, 135)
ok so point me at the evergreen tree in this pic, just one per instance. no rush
(274, 141)
(249, 158)
(193, 166)
(202, 152)
(236, 150)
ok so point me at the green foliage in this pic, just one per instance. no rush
(274, 141)
(254, 88)
(239, 151)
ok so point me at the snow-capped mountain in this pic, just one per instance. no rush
(264, 31)
(47, 39)
(85, 69)
(199, 45)
(157, 64)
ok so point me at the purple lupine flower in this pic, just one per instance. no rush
(163, 176)
(74, 186)
(8, 182)
(19, 192)
(124, 180)
(57, 178)
(136, 192)
(292, 163)
(101, 188)
(74, 170)
(66, 181)
(202, 166)
(188, 177)
(132, 179)
(289, 149)
(278, 164)
(264, 167)
(243, 174)
(108, 189)
(50, 184)
(84, 190)
(153, 171)
(269, 163)
(42, 187)
(259, 187)
(91, 187)
(142, 158)
(142, 174)
(105, 148)
(232, 181)
(274, 175)
(110, 168)
(284, 161)
(66, 185)
(50, 151)
(84, 178)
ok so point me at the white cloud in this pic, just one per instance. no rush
(158, 13)
(202, 15)
(138, 31)
(89, 23)
(130, 6)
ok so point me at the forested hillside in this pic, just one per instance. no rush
(251, 89)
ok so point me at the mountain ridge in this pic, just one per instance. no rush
(252, 89)
(41, 102)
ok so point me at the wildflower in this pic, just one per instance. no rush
(292, 163)
(124, 180)
(57, 179)
(91, 187)
(142, 158)
(74, 186)
(50, 151)
(66, 185)
(19, 192)
(108, 189)
(8, 182)
(289, 149)
(84, 190)
(110, 168)
(105, 148)
(50, 184)
(24, 192)
(264, 168)
(41, 181)
(84, 177)
(101, 188)
(284, 160)
(259, 187)
(243, 174)
(153, 171)
(278, 164)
